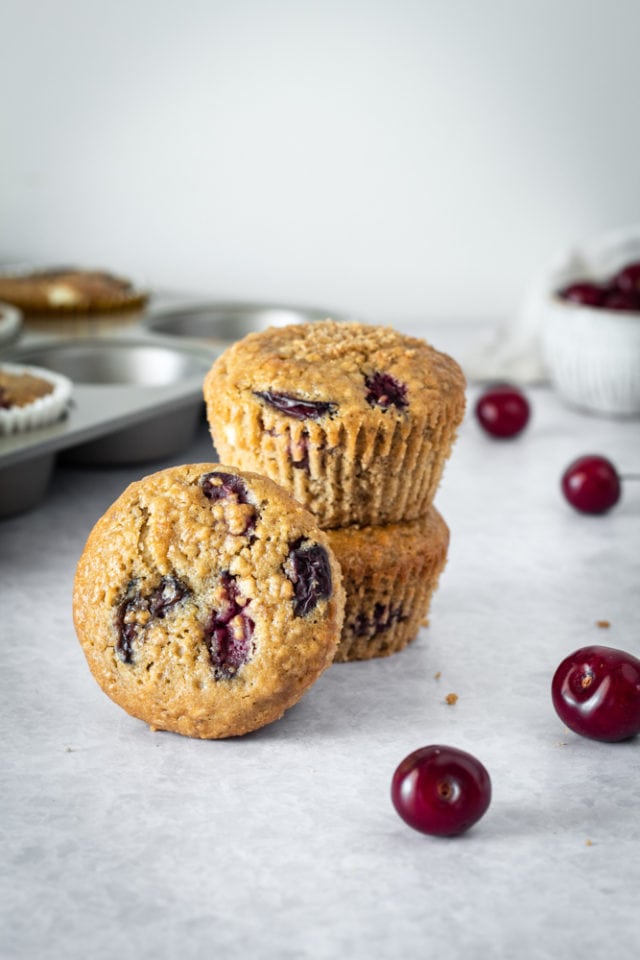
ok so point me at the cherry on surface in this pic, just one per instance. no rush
(585, 293)
(591, 484)
(596, 693)
(441, 791)
(503, 410)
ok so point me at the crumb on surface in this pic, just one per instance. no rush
(451, 698)
(437, 675)
(603, 624)
(424, 622)
(588, 843)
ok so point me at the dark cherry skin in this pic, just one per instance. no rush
(503, 411)
(158, 602)
(596, 693)
(383, 619)
(297, 407)
(622, 292)
(441, 791)
(591, 484)
(621, 300)
(228, 485)
(586, 293)
(385, 391)
(628, 279)
(310, 573)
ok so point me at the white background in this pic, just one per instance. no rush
(395, 159)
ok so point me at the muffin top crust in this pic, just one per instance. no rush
(326, 369)
(64, 289)
(20, 388)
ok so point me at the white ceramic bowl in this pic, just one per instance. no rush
(593, 356)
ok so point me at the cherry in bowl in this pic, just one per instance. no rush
(441, 791)
(591, 484)
(584, 292)
(503, 410)
(596, 693)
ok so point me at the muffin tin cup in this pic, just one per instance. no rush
(220, 324)
(134, 400)
(11, 321)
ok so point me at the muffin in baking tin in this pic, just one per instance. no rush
(68, 290)
(31, 397)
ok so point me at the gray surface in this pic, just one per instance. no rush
(119, 842)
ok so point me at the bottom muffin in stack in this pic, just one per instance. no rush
(389, 574)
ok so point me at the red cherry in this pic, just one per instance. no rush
(503, 410)
(440, 790)
(596, 692)
(591, 484)
(628, 279)
(621, 300)
(586, 293)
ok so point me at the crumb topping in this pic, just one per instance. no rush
(342, 364)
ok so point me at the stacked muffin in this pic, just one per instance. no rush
(356, 422)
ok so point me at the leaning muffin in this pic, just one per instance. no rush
(207, 601)
(69, 290)
(31, 397)
(355, 421)
(390, 574)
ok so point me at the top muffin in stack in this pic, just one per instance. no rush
(356, 422)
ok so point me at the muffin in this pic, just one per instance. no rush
(31, 397)
(207, 601)
(65, 290)
(355, 421)
(389, 575)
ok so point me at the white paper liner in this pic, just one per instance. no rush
(41, 412)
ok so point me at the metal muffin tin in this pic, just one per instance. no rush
(221, 323)
(10, 323)
(137, 395)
